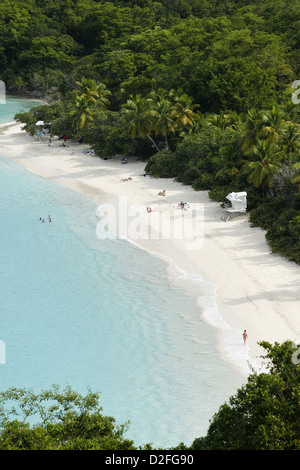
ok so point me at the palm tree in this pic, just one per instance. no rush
(216, 120)
(164, 113)
(266, 165)
(93, 91)
(141, 118)
(161, 113)
(82, 113)
(225, 121)
(232, 120)
(164, 124)
(273, 122)
(89, 96)
(290, 139)
(232, 156)
(184, 109)
(252, 128)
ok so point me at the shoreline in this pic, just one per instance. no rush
(255, 290)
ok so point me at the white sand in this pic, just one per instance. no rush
(256, 290)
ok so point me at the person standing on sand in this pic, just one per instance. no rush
(245, 336)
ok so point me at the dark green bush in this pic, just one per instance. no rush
(224, 177)
(296, 202)
(203, 182)
(198, 154)
(219, 193)
(161, 165)
(266, 213)
(284, 235)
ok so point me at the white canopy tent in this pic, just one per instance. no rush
(42, 123)
(238, 204)
(46, 127)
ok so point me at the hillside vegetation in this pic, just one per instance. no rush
(206, 92)
(262, 415)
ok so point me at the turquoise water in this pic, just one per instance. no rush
(14, 106)
(103, 314)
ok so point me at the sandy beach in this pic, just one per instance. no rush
(256, 290)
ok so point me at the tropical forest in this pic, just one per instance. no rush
(205, 92)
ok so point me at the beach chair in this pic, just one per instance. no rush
(236, 206)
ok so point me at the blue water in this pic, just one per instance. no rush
(13, 106)
(104, 315)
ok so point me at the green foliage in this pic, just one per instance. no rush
(223, 55)
(296, 176)
(161, 165)
(64, 420)
(283, 235)
(29, 120)
(160, 114)
(199, 153)
(265, 165)
(203, 88)
(202, 91)
(267, 212)
(264, 414)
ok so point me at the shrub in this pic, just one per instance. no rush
(296, 202)
(264, 413)
(161, 165)
(203, 182)
(284, 235)
(265, 214)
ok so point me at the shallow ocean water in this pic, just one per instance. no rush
(104, 315)
(15, 105)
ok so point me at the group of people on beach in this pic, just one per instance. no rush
(183, 205)
(49, 218)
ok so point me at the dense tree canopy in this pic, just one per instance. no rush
(225, 55)
(65, 420)
(203, 91)
(210, 84)
(262, 415)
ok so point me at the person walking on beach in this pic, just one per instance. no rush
(245, 336)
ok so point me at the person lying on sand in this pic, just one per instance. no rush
(162, 193)
(127, 179)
